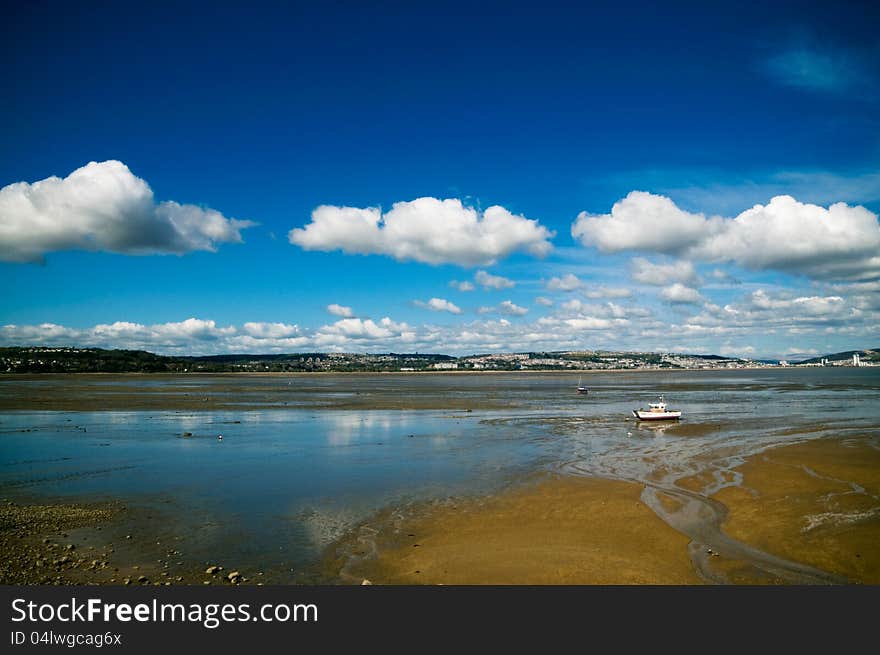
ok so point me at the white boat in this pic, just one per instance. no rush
(581, 389)
(657, 412)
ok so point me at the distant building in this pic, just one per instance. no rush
(856, 360)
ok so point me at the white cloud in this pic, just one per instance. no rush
(357, 328)
(840, 242)
(579, 309)
(779, 320)
(340, 310)
(760, 313)
(723, 277)
(643, 221)
(659, 275)
(609, 292)
(574, 305)
(806, 305)
(736, 351)
(545, 302)
(489, 281)
(270, 330)
(679, 294)
(439, 305)
(462, 286)
(103, 206)
(507, 307)
(567, 282)
(427, 230)
(589, 323)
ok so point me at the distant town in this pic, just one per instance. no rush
(97, 360)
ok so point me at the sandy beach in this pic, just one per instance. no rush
(816, 503)
(555, 531)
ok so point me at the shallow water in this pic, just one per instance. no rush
(288, 477)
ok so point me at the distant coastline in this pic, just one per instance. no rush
(42, 360)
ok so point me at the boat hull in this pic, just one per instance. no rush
(656, 416)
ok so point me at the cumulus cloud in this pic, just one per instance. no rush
(840, 242)
(489, 281)
(578, 309)
(643, 221)
(426, 230)
(809, 305)
(723, 277)
(567, 282)
(358, 335)
(659, 275)
(185, 336)
(736, 351)
(544, 302)
(507, 307)
(340, 310)
(439, 305)
(780, 320)
(270, 330)
(103, 206)
(462, 286)
(762, 312)
(679, 294)
(609, 292)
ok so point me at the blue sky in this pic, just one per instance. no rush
(216, 131)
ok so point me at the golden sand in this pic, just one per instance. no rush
(816, 502)
(556, 531)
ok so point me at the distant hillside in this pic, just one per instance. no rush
(97, 360)
(869, 355)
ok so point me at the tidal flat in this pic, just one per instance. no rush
(501, 478)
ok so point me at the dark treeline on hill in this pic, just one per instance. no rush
(98, 360)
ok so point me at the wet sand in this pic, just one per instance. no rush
(816, 502)
(89, 392)
(563, 530)
(815, 505)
